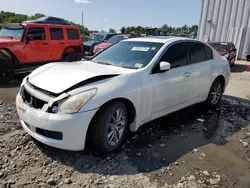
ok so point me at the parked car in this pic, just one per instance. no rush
(96, 38)
(85, 38)
(23, 47)
(226, 49)
(130, 83)
(113, 40)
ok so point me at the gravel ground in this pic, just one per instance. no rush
(190, 148)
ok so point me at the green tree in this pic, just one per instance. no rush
(111, 30)
(123, 29)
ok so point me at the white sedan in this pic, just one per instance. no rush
(67, 105)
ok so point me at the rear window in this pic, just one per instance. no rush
(220, 47)
(56, 34)
(197, 53)
(72, 34)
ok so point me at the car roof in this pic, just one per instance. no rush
(159, 39)
(219, 42)
(105, 33)
(49, 25)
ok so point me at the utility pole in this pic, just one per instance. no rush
(82, 19)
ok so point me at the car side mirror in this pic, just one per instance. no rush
(164, 66)
(28, 38)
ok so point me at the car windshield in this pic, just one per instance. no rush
(85, 39)
(220, 47)
(129, 54)
(116, 39)
(97, 37)
(12, 32)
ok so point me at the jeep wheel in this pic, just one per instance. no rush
(72, 56)
(6, 71)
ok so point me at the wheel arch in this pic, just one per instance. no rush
(71, 49)
(7, 53)
(222, 78)
(131, 114)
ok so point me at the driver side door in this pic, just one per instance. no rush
(37, 47)
(171, 89)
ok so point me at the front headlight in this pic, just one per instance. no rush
(98, 50)
(74, 103)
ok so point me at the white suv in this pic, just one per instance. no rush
(128, 84)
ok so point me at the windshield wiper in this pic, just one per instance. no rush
(106, 63)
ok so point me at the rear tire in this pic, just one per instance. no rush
(7, 71)
(70, 57)
(215, 94)
(107, 131)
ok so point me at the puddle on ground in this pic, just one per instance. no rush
(166, 140)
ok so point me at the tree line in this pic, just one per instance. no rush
(176, 31)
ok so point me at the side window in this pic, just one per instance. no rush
(209, 52)
(197, 53)
(56, 34)
(176, 55)
(36, 33)
(72, 34)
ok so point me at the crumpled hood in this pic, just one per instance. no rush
(103, 45)
(58, 77)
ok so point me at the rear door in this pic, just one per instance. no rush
(37, 48)
(201, 60)
(57, 42)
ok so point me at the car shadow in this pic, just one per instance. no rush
(161, 142)
(238, 68)
(15, 82)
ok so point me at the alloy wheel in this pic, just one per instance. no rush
(216, 93)
(116, 127)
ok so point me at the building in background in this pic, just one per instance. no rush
(226, 20)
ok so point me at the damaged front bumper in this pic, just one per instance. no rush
(65, 131)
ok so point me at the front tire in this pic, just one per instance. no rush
(215, 93)
(108, 128)
(7, 71)
(70, 57)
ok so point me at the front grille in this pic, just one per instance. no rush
(31, 100)
(50, 134)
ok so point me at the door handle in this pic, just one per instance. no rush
(212, 66)
(187, 74)
(61, 43)
(45, 43)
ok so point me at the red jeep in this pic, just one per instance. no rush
(24, 47)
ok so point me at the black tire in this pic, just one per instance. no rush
(212, 101)
(70, 57)
(7, 71)
(100, 127)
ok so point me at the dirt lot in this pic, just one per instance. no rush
(174, 151)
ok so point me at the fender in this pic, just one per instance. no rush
(6, 54)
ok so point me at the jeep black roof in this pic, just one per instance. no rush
(49, 20)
